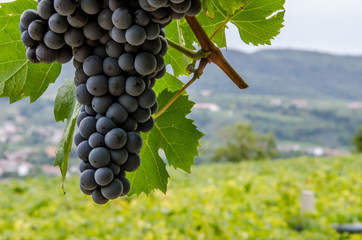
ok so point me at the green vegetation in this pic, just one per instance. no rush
(357, 140)
(250, 200)
(242, 143)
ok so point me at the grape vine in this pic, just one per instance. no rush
(119, 48)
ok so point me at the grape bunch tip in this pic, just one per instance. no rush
(118, 49)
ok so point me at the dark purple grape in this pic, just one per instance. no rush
(45, 54)
(27, 17)
(37, 30)
(65, 7)
(112, 190)
(45, 9)
(64, 54)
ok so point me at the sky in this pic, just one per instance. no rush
(328, 26)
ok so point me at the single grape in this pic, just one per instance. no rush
(161, 16)
(96, 140)
(141, 115)
(93, 65)
(27, 17)
(152, 31)
(86, 192)
(145, 63)
(100, 51)
(45, 9)
(114, 4)
(114, 49)
(130, 48)
(92, 30)
(105, 19)
(54, 40)
(146, 126)
(97, 85)
(78, 139)
(45, 54)
(27, 40)
(110, 67)
(129, 125)
(78, 19)
(182, 7)
(80, 76)
(102, 103)
(92, 43)
(128, 102)
(126, 185)
(103, 176)
(116, 169)
(116, 85)
(58, 23)
(160, 63)
(31, 55)
(76, 64)
(135, 35)
(21, 28)
(90, 7)
(154, 108)
(161, 73)
(164, 48)
(112, 190)
(122, 18)
(105, 125)
(87, 180)
(177, 16)
(83, 150)
(99, 157)
(65, 7)
(89, 110)
(115, 139)
(82, 52)
(141, 18)
(84, 166)
(98, 197)
(134, 142)
(117, 113)
(134, 86)
(105, 37)
(118, 35)
(126, 62)
(81, 116)
(152, 46)
(147, 98)
(158, 3)
(119, 156)
(133, 162)
(74, 37)
(195, 8)
(87, 126)
(82, 95)
(146, 6)
(64, 54)
(37, 30)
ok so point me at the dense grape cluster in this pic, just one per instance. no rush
(117, 48)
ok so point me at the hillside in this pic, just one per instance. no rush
(297, 74)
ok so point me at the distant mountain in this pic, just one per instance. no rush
(297, 74)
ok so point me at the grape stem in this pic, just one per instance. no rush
(196, 75)
(216, 55)
(208, 53)
(187, 52)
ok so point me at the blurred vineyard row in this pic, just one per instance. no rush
(250, 200)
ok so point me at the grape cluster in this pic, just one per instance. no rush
(117, 48)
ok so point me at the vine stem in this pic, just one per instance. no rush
(187, 52)
(196, 75)
(216, 55)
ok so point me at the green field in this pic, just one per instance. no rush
(251, 200)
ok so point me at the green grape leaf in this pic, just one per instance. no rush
(65, 101)
(65, 107)
(176, 135)
(20, 78)
(169, 82)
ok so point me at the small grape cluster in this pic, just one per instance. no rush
(117, 48)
